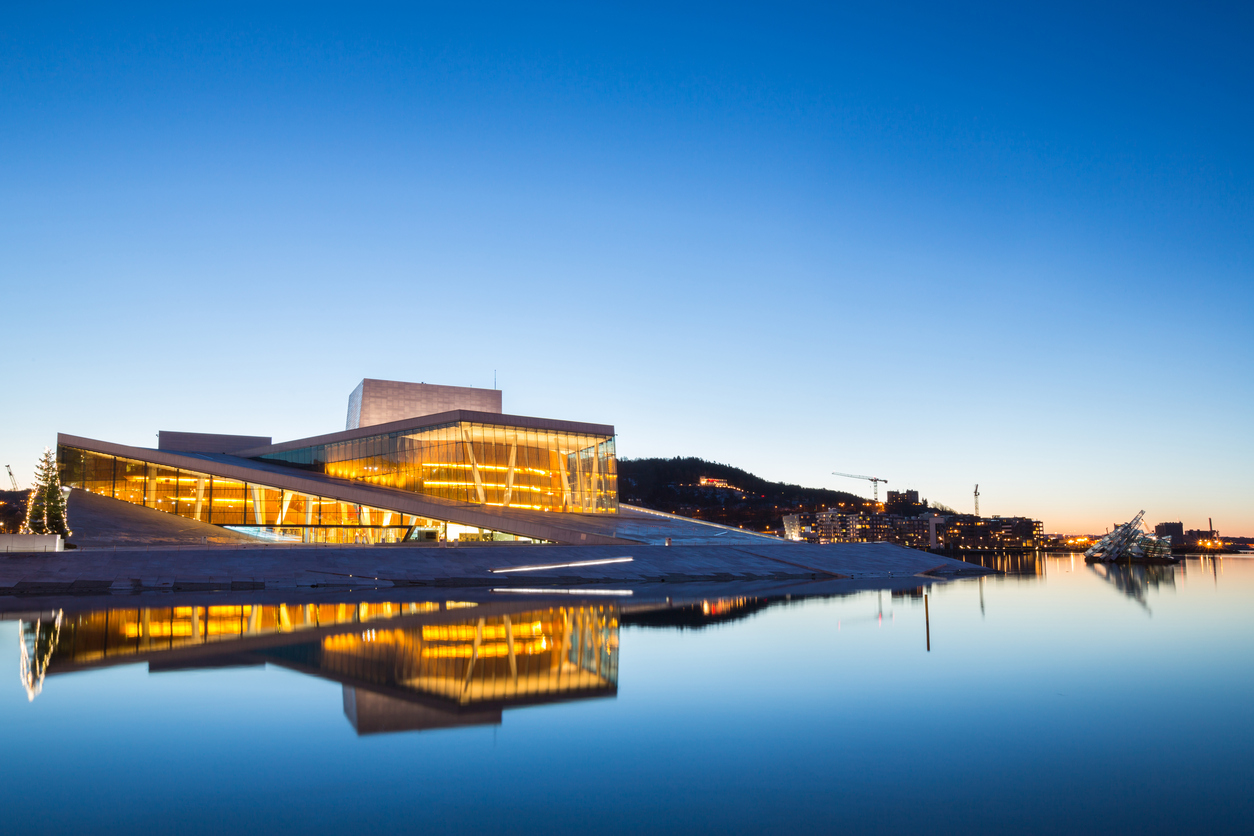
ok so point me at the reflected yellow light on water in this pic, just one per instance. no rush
(467, 632)
(493, 649)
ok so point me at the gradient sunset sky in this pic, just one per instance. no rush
(977, 243)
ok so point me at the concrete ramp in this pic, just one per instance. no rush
(98, 521)
(486, 567)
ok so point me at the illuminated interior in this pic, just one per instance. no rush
(484, 464)
(254, 509)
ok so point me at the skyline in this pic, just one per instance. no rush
(938, 247)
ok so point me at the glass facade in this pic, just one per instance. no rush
(252, 508)
(483, 464)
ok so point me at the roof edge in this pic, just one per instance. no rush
(418, 422)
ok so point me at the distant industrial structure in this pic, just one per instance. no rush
(1195, 539)
(874, 480)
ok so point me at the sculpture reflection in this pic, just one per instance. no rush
(403, 666)
(1135, 579)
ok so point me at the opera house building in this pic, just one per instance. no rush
(416, 462)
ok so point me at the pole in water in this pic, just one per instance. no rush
(927, 621)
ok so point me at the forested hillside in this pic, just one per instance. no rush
(673, 485)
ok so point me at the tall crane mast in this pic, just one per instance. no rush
(977, 500)
(874, 480)
(11, 478)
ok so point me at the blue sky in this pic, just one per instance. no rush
(938, 245)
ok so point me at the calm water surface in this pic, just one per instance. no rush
(1071, 700)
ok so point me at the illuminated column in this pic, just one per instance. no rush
(308, 536)
(565, 475)
(598, 481)
(474, 466)
(200, 496)
(585, 480)
(258, 507)
(575, 482)
(287, 500)
(509, 478)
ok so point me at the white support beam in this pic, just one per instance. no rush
(287, 500)
(200, 497)
(259, 508)
(474, 465)
(509, 474)
(565, 474)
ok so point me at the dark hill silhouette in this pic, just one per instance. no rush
(673, 486)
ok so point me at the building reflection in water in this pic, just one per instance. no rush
(1009, 563)
(695, 615)
(403, 666)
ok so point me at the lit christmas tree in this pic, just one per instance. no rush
(45, 510)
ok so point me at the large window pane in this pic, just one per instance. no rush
(228, 502)
(130, 481)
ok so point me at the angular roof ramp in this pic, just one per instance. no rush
(178, 442)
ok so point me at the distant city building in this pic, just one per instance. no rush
(1174, 530)
(801, 527)
(905, 503)
(711, 482)
(840, 527)
(924, 531)
(972, 532)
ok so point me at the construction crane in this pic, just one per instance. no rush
(874, 480)
(11, 478)
(977, 500)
